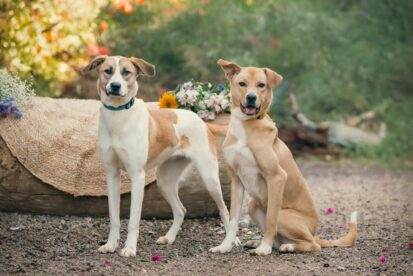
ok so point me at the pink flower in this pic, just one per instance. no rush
(163, 90)
(382, 259)
(330, 210)
(156, 258)
(385, 250)
(341, 226)
(106, 263)
(103, 51)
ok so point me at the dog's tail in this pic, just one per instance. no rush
(218, 129)
(347, 240)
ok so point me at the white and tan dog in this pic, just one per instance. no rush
(134, 138)
(261, 164)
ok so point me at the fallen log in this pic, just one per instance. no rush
(30, 183)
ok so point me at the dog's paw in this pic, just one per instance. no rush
(128, 252)
(223, 248)
(287, 248)
(109, 247)
(237, 242)
(252, 244)
(262, 250)
(164, 240)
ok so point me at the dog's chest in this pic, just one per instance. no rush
(241, 159)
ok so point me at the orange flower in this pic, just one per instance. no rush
(127, 7)
(168, 100)
(65, 15)
(140, 2)
(103, 26)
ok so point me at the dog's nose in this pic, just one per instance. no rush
(115, 86)
(251, 98)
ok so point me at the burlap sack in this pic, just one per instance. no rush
(56, 140)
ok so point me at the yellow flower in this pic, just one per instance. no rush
(168, 100)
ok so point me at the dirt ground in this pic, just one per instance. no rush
(67, 245)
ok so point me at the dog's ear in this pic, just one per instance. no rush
(273, 78)
(230, 69)
(95, 63)
(143, 67)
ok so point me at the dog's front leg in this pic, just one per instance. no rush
(113, 184)
(237, 195)
(137, 190)
(275, 187)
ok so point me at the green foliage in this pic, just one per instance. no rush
(339, 57)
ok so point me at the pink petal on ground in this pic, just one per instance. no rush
(156, 258)
(382, 259)
(330, 210)
(410, 244)
(385, 250)
(1, 242)
(106, 263)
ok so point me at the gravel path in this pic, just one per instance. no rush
(67, 245)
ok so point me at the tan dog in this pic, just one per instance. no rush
(134, 138)
(261, 163)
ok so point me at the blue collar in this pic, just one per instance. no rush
(121, 107)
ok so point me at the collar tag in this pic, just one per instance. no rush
(121, 107)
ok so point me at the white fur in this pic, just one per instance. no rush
(124, 144)
(117, 77)
(287, 248)
(353, 217)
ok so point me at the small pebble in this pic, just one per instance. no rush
(326, 265)
(341, 268)
(16, 228)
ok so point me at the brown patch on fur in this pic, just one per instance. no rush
(211, 142)
(161, 132)
(185, 142)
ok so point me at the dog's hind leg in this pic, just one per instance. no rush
(113, 183)
(298, 229)
(168, 176)
(209, 172)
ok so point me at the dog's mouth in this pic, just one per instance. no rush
(113, 93)
(250, 110)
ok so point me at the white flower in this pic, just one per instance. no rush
(211, 116)
(225, 104)
(203, 114)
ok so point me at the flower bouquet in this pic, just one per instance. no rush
(205, 99)
(13, 92)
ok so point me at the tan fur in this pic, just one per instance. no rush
(185, 142)
(289, 209)
(161, 132)
(218, 129)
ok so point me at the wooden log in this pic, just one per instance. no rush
(21, 191)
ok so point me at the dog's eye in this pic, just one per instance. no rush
(108, 71)
(261, 85)
(242, 84)
(125, 73)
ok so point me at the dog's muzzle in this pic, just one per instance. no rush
(114, 89)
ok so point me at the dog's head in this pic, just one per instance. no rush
(251, 88)
(117, 75)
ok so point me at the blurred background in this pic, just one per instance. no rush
(339, 58)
